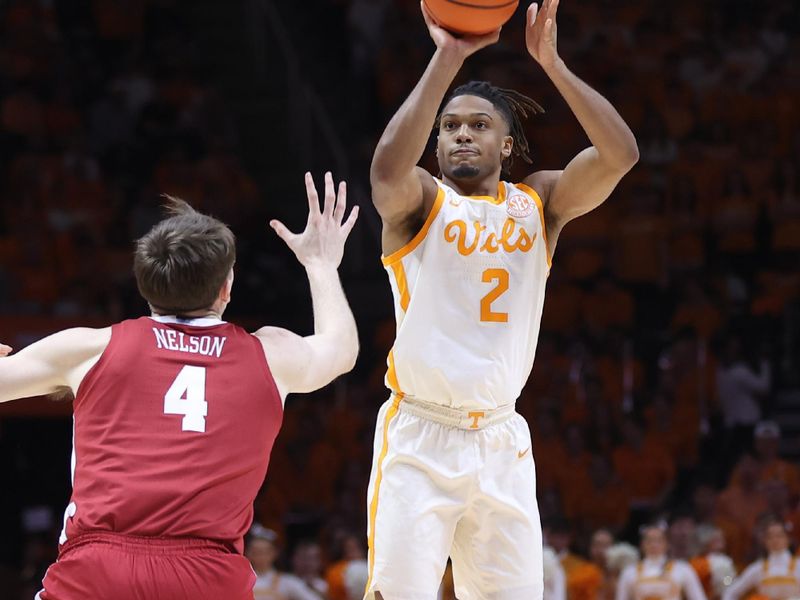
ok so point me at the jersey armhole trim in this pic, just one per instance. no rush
(417, 239)
(533, 194)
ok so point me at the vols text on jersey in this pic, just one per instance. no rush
(512, 237)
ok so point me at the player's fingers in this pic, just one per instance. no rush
(351, 221)
(330, 195)
(341, 202)
(311, 193)
(533, 10)
(283, 233)
(5, 350)
(553, 9)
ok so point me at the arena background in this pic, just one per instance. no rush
(670, 310)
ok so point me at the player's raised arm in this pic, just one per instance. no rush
(304, 364)
(592, 175)
(399, 188)
(58, 361)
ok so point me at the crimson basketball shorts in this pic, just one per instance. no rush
(107, 566)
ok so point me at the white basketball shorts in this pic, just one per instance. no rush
(448, 482)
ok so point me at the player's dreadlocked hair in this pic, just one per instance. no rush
(511, 104)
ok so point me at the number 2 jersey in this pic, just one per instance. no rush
(468, 295)
(173, 429)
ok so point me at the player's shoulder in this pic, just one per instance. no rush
(73, 346)
(271, 333)
(82, 338)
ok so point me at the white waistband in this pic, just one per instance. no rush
(461, 418)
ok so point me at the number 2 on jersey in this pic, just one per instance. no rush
(487, 314)
(187, 396)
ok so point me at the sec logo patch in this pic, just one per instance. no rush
(519, 205)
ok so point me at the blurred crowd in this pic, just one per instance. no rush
(665, 388)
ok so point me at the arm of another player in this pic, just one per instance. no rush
(58, 361)
(400, 189)
(304, 364)
(591, 176)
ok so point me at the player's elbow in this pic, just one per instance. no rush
(348, 355)
(631, 157)
(621, 159)
(628, 156)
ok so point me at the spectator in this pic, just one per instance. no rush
(713, 567)
(590, 581)
(657, 575)
(348, 550)
(261, 549)
(644, 466)
(307, 568)
(742, 501)
(775, 577)
(766, 442)
(554, 578)
(618, 557)
(740, 389)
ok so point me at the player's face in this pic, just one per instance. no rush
(473, 139)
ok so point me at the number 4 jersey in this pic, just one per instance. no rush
(468, 295)
(173, 428)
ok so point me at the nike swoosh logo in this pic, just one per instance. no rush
(523, 453)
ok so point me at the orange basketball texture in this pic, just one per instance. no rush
(472, 17)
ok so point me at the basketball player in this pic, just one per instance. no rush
(468, 256)
(777, 577)
(656, 576)
(175, 414)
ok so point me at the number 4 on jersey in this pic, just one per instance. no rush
(187, 396)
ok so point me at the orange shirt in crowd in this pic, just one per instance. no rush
(334, 576)
(586, 582)
(646, 471)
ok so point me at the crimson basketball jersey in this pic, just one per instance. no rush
(173, 428)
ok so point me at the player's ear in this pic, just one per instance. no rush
(227, 286)
(507, 147)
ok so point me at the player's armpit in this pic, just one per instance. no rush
(302, 364)
(51, 364)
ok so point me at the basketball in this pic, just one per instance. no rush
(471, 17)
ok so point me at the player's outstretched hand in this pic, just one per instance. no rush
(540, 32)
(5, 350)
(466, 45)
(322, 241)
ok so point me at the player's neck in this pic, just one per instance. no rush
(194, 314)
(483, 187)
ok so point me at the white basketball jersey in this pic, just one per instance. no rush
(468, 294)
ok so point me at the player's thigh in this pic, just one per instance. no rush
(497, 548)
(413, 508)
